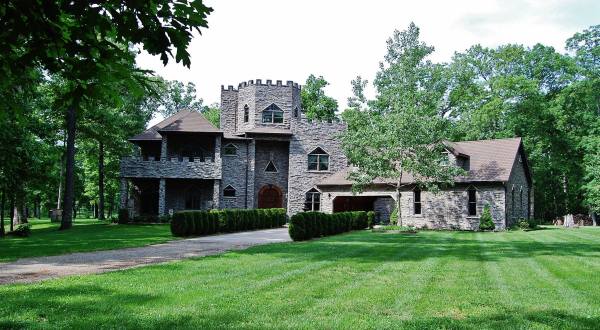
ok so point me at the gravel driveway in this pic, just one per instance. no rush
(37, 269)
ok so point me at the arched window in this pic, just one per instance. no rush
(230, 150)
(246, 113)
(318, 160)
(417, 201)
(472, 203)
(229, 191)
(296, 112)
(312, 202)
(271, 167)
(272, 115)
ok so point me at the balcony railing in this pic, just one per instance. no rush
(182, 168)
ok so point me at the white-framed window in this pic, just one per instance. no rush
(229, 191)
(230, 149)
(272, 115)
(312, 201)
(445, 160)
(271, 167)
(318, 160)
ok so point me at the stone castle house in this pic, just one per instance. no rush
(266, 154)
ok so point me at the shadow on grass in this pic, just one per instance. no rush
(87, 306)
(378, 247)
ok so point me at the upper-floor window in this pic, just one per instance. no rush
(472, 200)
(312, 202)
(272, 115)
(417, 201)
(246, 113)
(296, 112)
(318, 160)
(229, 191)
(230, 150)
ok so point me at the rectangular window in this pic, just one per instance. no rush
(278, 117)
(472, 201)
(313, 162)
(417, 201)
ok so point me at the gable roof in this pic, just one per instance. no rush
(182, 121)
(489, 161)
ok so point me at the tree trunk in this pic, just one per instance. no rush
(12, 212)
(594, 219)
(398, 206)
(111, 206)
(67, 216)
(101, 181)
(2, 200)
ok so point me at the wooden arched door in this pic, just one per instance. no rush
(269, 197)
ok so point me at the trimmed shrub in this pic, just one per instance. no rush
(123, 216)
(394, 217)
(189, 223)
(370, 219)
(307, 225)
(485, 221)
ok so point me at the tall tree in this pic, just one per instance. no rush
(83, 42)
(401, 132)
(315, 103)
(177, 96)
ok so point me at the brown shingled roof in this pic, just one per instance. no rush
(489, 161)
(182, 121)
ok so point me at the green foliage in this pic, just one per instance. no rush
(22, 230)
(485, 220)
(308, 225)
(315, 103)
(370, 219)
(197, 223)
(403, 130)
(212, 113)
(523, 224)
(394, 217)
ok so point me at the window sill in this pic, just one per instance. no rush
(472, 217)
(230, 155)
(230, 197)
(313, 171)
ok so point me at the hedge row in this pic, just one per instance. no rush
(195, 223)
(307, 225)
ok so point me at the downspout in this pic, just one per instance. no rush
(505, 208)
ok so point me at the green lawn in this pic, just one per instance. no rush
(86, 235)
(540, 279)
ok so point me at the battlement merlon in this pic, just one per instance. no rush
(269, 82)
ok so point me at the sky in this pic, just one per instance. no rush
(289, 40)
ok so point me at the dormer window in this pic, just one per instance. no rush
(272, 115)
(229, 191)
(246, 113)
(230, 150)
(318, 160)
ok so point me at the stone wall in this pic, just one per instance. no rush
(234, 173)
(229, 104)
(383, 207)
(308, 136)
(448, 209)
(258, 96)
(278, 152)
(136, 167)
(517, 193)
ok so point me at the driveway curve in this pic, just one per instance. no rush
(36, 269)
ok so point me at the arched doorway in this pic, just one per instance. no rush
(269, 197)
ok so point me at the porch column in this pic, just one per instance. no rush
(124, 190)
(216, 193)
(162, 197)
(163, 148)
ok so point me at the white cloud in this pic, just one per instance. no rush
(288, 40)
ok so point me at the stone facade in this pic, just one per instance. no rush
(180, 182)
